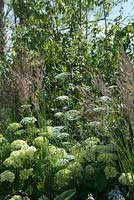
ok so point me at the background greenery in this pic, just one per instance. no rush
(66, 100)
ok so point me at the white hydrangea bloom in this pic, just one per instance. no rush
(126, 179)
(24, 174)
(62, 98)
(16, 197)
(14, 160)
(110, 172)
(7, 176)
(18, 144)
(17, 158)
(58, 114)
(14, 127)
(1, 135)
(39, 141)
(28, 152)
(8, 162)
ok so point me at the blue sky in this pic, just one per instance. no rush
(128, 8)
(127, 13)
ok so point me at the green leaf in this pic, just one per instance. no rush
(66, 195)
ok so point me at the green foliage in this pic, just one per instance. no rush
(66, 195)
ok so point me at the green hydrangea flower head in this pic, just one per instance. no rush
(18, 144)
(7, 176)
(16, 197)
(63, 177)
(14, 160)
(27, 152)
(39, 141)
(105, 157)
(58, 114)
(14, 127)
(92, 141)
(90, 170)
(57, 153)
(91, 153)
(18, 158)
(76, 149)
(108, 148)
(47, 132)
(110, 172)
(24, 174)
(1, 135)
(76, 169)
(126, 179)
(52, 149)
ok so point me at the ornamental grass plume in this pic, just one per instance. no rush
(28, 77)
(98, 81)
(125, 83)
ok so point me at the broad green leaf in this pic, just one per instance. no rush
(66, 195)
